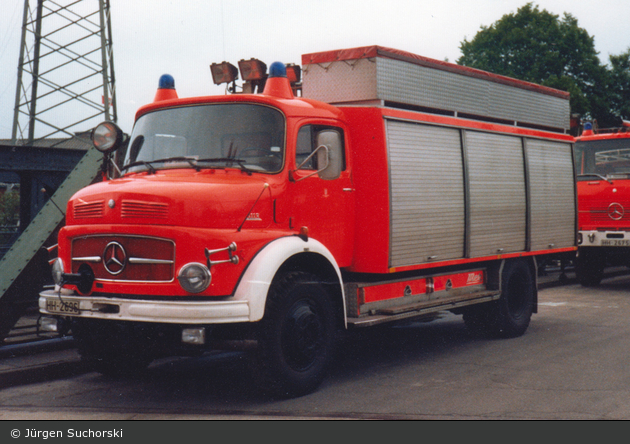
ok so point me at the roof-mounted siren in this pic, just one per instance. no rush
(166, 88)
(224, 72)
(278, 84)
(254, 73)
(588, 129)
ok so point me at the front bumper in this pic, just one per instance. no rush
(68, 303)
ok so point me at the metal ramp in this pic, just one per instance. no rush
(24, 268)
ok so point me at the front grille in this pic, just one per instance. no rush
(125, 258)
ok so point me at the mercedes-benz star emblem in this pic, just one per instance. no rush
(114, 258)
(615, 211)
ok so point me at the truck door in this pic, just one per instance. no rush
(323, 193)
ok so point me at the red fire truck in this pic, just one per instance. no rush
(602, 159)
(367, 186)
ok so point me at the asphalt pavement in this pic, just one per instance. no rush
(50, 359)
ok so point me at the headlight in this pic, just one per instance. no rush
(57, 271)
(194, 277)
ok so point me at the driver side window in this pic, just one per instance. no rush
(307, 143)
(304, 148)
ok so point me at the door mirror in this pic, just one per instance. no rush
(330, 158)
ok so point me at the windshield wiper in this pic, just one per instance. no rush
(192, 161)
(149, 163)
(138, 163)
(228, 160)
(596, 175)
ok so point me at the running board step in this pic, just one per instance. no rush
(422, 308)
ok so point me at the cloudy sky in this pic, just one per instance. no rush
(183, 37)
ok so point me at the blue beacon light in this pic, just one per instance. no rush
(166, 82)
(166, 88)
(277, 69)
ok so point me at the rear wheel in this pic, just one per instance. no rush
(510, 315)
(295, 337)
(516, 305)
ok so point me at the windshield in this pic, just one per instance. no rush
(246, 136)
(605, 158)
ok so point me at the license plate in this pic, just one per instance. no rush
(616, 243)
(62, 307)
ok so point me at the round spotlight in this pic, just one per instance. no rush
(107, 137)
(194, 277)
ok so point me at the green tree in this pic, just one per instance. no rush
(620, 84)
(540, 47)
(9, 207)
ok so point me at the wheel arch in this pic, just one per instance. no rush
(283, 255)
(321, 267)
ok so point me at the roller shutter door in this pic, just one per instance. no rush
(498, 197)
(552, 194)
(427, 193)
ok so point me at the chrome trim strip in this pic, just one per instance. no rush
(88, 259)
(130, 281)
(141, 260)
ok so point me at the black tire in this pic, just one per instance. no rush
(111, 348)
(509, 316)
(589, 268)
(295, 336)
(516, 305)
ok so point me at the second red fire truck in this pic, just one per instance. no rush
(602, 160)
(392, 188)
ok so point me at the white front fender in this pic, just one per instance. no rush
(255, 283)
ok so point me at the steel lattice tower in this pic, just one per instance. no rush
(66, 81)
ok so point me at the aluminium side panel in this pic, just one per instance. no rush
(497, 189)
(427, 193)
(553, 205)
(386, 80)
(341, 82)
(411, 84)
(402, 82)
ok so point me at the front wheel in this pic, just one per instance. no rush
(589, 267)
(295, 336)
(111, 348)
